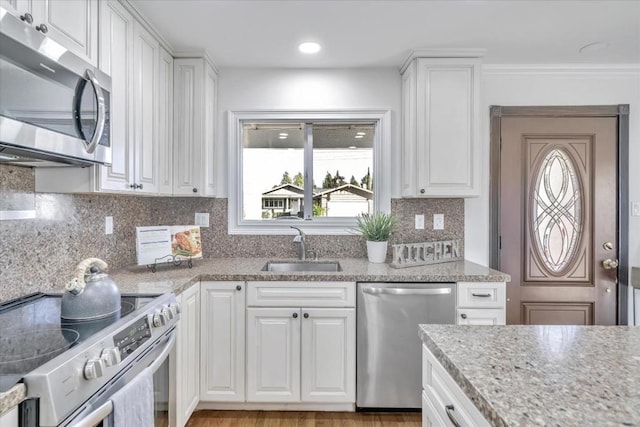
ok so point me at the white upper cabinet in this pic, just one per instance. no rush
(195, 95)
(72, 23)
(440, 127)
(116, 59)
(140, 116)
(165, 122)
(145, 83)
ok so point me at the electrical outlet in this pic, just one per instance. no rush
(635, 209)
(419, 222)
(438, 221)
(108, 225)
(202, 219)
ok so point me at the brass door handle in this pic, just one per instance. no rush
(609, 264)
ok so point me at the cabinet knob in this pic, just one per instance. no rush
(195, 190)
(134, 186)
(463, 315)
(238, 288)
(422, 191)
(306, 315)
(42, 28)
(140, 186)
(295, 315)
(27, 17)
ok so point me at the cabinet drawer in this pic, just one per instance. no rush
(430, 417)
(480, 316)
(481, 295)
(301, 294)
(447, 398)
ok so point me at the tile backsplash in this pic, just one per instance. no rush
(40, 254)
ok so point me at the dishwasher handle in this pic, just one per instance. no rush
(406, 291)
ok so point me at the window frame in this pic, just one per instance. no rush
(318, 226)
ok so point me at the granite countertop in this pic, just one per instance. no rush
(177, 279)
(544, 375)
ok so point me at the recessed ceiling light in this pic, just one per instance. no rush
(309, 47)
(594, 47)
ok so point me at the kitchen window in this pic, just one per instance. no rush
(317, 171)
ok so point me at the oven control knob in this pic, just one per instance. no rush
(111, 356)
(168, 313)
(94, 368)
(159, 319)
(175, 308)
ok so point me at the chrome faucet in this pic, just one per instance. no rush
(300, 238)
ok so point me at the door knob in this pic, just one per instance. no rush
(609, 264)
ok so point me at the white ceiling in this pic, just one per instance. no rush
(381, 33)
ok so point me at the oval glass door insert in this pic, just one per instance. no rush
(556, 211)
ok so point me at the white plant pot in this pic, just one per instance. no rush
(377, 252)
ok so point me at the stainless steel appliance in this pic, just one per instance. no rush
(54, 107)
(72, 368)
(388, 368)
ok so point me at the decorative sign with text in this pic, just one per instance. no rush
(180, 242)
(415, 254)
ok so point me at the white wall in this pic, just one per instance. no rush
(305, 89)
(554, 85)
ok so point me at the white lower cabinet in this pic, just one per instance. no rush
(328, 350)
(443, 402)
(481, 303)
(222, 342)
(188, 355)
(300, 353)
(273, 354)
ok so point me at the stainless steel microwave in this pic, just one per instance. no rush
(54, 106)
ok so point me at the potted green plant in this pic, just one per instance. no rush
(376, 229)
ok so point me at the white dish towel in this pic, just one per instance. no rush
(133, 403)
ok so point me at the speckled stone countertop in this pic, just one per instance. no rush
(177, 279)
(544, 375)
(12, 397)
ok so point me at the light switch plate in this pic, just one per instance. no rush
(635, 208)
(419, 222)
(202, 219)
(108, 225)
(438, 221)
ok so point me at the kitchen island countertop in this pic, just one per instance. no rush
(544, 375)
(139, 279)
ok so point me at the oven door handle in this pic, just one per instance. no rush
(160, 359)
(96, 416)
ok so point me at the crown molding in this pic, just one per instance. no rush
(196, 53)
(131, 8)
(442, 53)
(587, 70)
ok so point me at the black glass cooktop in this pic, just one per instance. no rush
(32, 332)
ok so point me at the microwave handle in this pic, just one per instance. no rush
(102, 113)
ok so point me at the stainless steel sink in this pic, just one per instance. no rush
(287, 267)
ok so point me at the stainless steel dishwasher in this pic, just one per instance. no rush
(389, 355)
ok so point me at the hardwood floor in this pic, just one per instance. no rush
(303, 419)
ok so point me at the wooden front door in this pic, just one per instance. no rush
(558, 211)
